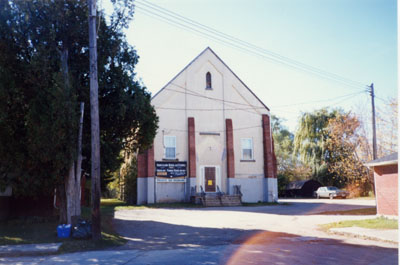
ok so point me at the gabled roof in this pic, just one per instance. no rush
(386, 160)
(208, 48)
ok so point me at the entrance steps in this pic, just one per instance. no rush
(221, 200)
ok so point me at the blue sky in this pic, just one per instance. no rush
(355, 39)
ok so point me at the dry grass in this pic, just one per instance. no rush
(362, 211)
(376, 223)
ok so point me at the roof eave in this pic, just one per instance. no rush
(383, 163)
(208, 48)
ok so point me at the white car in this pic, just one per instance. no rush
(330, 192)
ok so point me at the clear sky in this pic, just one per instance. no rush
(356, 39)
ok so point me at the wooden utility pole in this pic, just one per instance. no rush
(94, 123)
(374, 149)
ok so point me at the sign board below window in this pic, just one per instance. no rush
(171, 170)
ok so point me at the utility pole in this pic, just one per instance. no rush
(374, 150)
(94, 123)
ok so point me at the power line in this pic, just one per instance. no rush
(191, 93)
(218, 131)
(318, 101)
(191, 109)
(242, 42)
(195, 94)
(191, 25)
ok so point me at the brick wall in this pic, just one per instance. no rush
(230, 155)
(145, 163)
(151, 171)
(268, 150)
(386, 185)
(192, 147)
(142, 165)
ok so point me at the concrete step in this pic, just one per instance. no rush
(231, 200)
(224, 200)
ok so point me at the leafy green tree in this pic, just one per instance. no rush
(310, 143)
(289, 167)
(40, 92)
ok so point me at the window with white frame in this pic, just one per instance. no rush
(247, 148)
(169, 147)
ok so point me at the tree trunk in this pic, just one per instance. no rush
(78, 174)
(62, 199)
(72, 187)
(71, 193)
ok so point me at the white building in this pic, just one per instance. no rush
(218, 130)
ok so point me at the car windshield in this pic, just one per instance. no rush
(332, 188)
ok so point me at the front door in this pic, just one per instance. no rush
(209, 178)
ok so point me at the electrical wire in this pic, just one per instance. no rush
(242, 42)
(219, 131)
(193, 93)
(168, 16)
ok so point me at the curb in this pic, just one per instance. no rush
(29, 249)
(355, 235)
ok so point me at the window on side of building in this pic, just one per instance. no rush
(247, 148)
(208, 81)
(169, 147)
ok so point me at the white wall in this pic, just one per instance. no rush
(210, 149)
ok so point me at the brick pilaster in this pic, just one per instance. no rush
(268, 149)
(142, 165)
(192, 148)
(230, 154)
(150, 162)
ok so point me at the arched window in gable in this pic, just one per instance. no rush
(208, 81)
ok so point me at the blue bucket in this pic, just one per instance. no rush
(63, 231)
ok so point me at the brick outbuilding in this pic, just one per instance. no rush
(386, 184)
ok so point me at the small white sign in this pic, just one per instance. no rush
(170, 180)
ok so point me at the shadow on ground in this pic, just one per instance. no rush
(236, 246)
(150, 235)
(292, 208)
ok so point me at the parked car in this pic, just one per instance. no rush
(330, 192)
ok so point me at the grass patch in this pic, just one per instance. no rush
(36, 230)
(362, 211)
(372, 197)
(26, 231)
(376, 223)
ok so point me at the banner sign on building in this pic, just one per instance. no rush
(171, 171)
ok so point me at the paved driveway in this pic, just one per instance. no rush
(265, 233)
(285, 234)
(221, 225)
